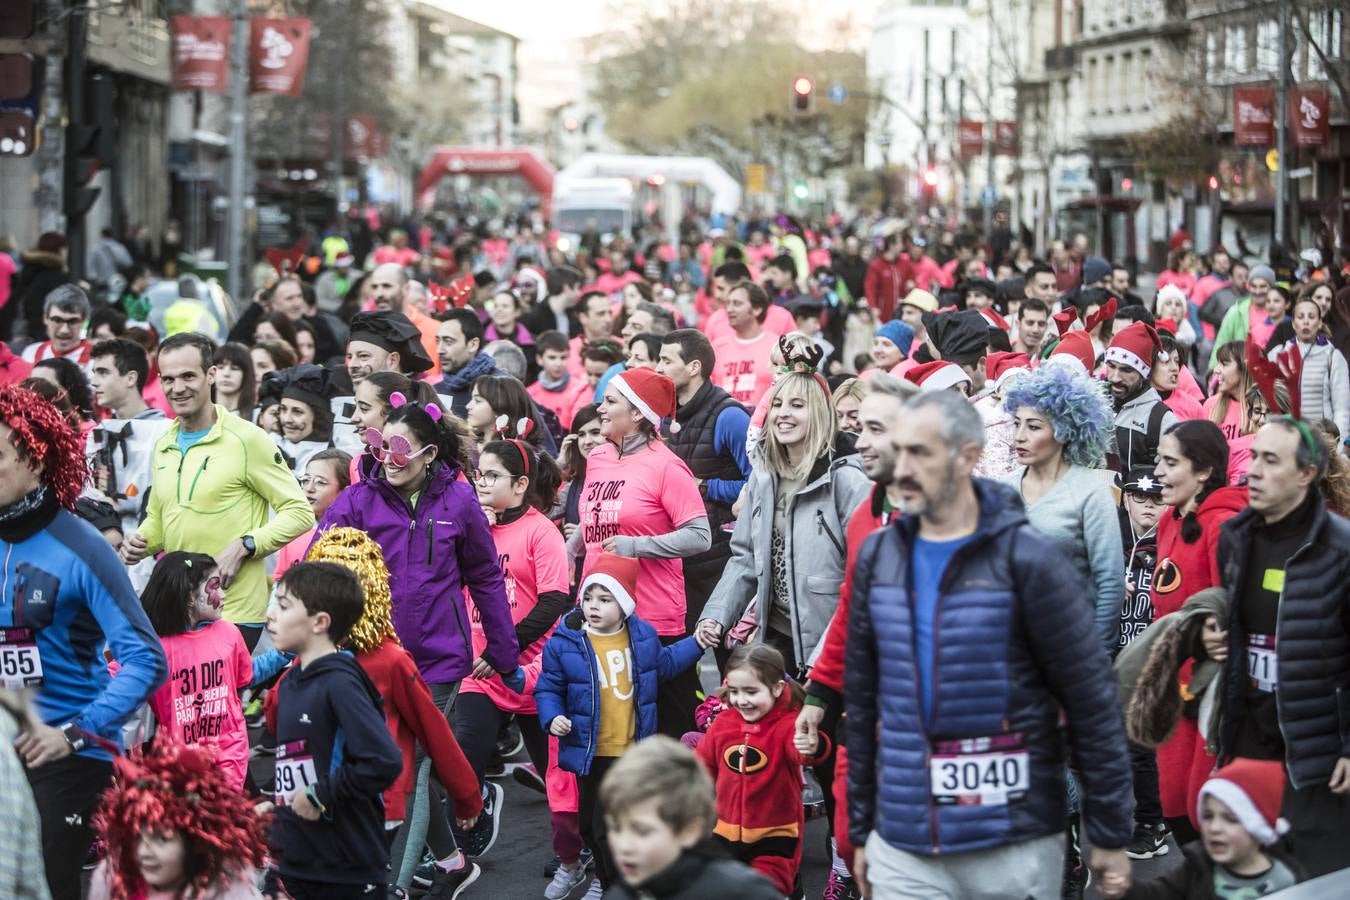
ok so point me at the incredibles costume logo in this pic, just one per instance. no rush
(745, 759)
(1167, 577)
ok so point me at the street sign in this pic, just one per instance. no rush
(1300, 173)
(988, 196)
(756, 178)
(838, 93)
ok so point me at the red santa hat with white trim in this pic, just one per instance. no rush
(616, 574)
(1135, 346)
(651, 393)
(938, 375)
(1253, 789)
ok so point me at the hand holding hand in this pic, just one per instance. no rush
(1111, 872)
(133, 548)
(708, 633)
(561, 726)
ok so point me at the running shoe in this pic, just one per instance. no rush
(565, 881)
(479, 839)
(595, 892)
(509, 740)
(449, 885)
(587, 861)
(840, 887)
(1148, 841)
(527, 775)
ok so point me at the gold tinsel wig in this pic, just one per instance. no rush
(355, 550)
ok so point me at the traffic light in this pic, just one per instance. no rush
(81, 166)
(803, 95)
(20, 93)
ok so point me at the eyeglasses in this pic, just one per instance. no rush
(398, 451)
(64, 321)
(314, 481)
(1146, 499)
(486, 479)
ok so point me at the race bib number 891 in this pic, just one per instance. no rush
(295, 771)
(979, 771)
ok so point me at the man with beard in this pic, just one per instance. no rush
(1142, 418)
(877, 415)
(953, 600)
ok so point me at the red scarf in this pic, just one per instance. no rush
(44, 351)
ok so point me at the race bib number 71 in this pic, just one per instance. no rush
(979, 771)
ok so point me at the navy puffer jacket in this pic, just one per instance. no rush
(568, 685)
(1014, 644)
(1312, 690)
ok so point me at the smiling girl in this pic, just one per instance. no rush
(756, 759)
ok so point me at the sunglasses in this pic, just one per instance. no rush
(398, 452)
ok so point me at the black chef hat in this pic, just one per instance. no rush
(392, 332)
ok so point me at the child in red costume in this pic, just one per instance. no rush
(410, 714)
(755, 760)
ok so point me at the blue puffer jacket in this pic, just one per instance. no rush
(568, 685)
(1014, 644)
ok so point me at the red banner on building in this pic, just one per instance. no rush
(201, 53)
(277, 52)
(1005, 138)
(970, 138)
(364, 138)
(1253, 116)
(1309, 117)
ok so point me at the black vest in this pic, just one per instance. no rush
(693, 443)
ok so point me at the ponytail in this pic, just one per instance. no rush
(521, 460)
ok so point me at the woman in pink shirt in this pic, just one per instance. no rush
(1228, 407)
(640, 500)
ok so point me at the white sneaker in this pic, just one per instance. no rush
(565, 881)
(595, 892)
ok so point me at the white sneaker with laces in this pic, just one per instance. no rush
(565, 881)
(596, 891)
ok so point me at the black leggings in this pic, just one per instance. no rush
(477, 722)
(591, 818)
(65, 792)
(677, 698)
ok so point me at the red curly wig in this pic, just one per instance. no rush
(177, 788)
(41, 433)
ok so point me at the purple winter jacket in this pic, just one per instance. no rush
(433, 553)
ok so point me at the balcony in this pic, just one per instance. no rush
(130, 42)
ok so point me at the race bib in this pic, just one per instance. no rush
(979, 771)
(295, 771)
(20, 662)
(1262, 662)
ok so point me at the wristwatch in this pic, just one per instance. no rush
(74, 736)
(249, 546)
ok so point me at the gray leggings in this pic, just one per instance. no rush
(424, 822)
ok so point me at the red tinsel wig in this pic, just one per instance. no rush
(41, 433)
(176, 788)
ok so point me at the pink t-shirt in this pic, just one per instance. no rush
(533, 557)
(562, 403)
(646, 493)
(1259, 326)
(742, 368)
(1231, 426)
(777, 320)
(199, 704)
(294, 552)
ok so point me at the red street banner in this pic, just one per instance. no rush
(970, 137)
(277, 52)
(1309, 117)
(1005, 138)
(201, 53)
(1253, 116)
(364, 138)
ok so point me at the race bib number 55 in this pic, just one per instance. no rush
(20, 662)
(979, 771)
(295, 771)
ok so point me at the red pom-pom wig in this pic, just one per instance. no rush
(41, 433)
(176, 788)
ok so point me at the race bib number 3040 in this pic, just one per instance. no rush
(295, 771)
(20, 662)
(987, 771)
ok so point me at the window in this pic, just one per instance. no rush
(1235, 49)
(1324, 27)
(1145, 79)
(1268, 46)
(1126, 80)
(1212, 53)
(1092, 88)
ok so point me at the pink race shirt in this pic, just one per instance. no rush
(646, 493)
(777, 320)
(533, 557)
(742, 368)
(199, 704)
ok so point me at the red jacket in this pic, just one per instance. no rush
(412, 718)
(758, 775)
(885, 283)
(1183, 569)
(828, 669)
(12, 367)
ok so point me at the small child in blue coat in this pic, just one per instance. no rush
(597, 689)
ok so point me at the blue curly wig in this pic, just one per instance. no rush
(1076, 405)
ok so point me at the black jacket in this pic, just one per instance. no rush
(694, 443)
(1193, 879)
(1312, 692)
(539, 318)
(704, 873)
(334, 709)
(41, 274)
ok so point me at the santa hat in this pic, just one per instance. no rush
(1253, 790)
(1076, 346)
(1169, 291)
(1135, 346)
(1167, 325)
(995, 320)
(1064, 319)
(616, 574)
(937, 376)
(651, 393)
(1001, 365)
